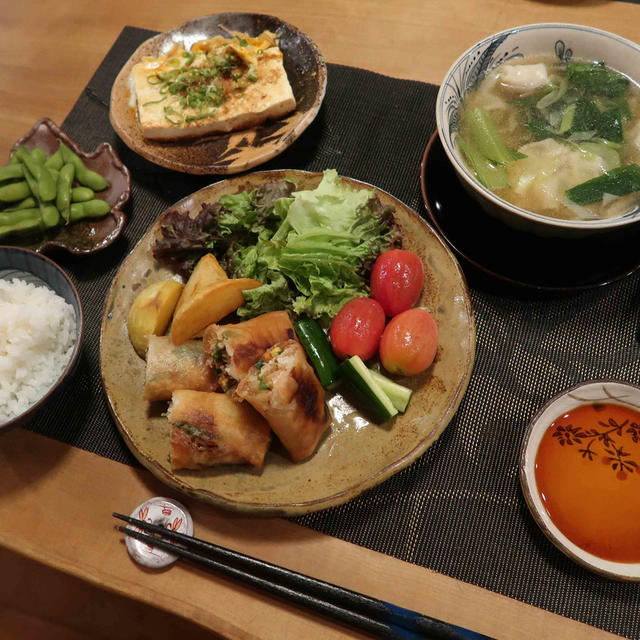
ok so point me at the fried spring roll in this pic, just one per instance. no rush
(234, 348)
(170, 368)
(283, 387)
(210, 429)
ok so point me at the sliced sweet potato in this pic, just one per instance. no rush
(208, 305)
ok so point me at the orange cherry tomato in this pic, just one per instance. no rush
(409, 342)
(396, 280)
(356, 329)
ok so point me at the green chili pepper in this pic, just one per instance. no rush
(63, 197)
(85, 176)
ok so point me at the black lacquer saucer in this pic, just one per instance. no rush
(516, 257)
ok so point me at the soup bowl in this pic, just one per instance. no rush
(562, 42)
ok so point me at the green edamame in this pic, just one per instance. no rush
(39, 155)
(91, 209)
(14, 192)
(82, 194)
(31, 225)
(11, 217)
(63, 197)
(46, 185)
(50, 216)
(27, 203)
(11, 172)
(55, 161)
(85, 176)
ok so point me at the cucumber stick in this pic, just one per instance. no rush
(319, 351)
(398, 394)
(371, 398)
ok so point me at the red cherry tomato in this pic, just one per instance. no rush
(356, 329)
(396, 280)
(409, 342)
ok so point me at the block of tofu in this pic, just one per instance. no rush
(221, 85)
(523, 78)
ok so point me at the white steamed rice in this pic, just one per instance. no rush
(37, 337)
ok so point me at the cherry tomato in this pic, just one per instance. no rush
(356, 329)
(409, 342)
(396, 280)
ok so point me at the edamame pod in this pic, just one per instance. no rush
(55, 161)
(82, 194)
(14, 192)
(91, 209)
(18, 215)
(50, 216)
(47, 216)
(13, 159)
(39, 155)
(11, 172)
(63, 197)
(27, 203)
(85, 176)
(53, 173)
(30, 225)
(46, 185)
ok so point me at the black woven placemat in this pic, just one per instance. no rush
(457, 510)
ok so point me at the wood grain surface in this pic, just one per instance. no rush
(57, 537)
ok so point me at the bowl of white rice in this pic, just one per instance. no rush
(40, 332)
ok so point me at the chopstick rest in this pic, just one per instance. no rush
(370, 615)
(167, 513)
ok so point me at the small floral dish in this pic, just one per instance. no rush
(235, 151)
(92, 234)
(580, 475)
(34, 269)
(562, 42)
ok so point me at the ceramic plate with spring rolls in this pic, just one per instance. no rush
(354, 454)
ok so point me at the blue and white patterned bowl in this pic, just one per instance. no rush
(566, 42)
(37, 269)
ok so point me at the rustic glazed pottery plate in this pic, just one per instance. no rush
(235, 151)
(516, 257)
(85, 236)
(580, 475)
(354, 454)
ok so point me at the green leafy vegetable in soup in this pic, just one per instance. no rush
(558, 139)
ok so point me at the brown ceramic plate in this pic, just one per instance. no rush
(238, 150)
(355, 454)
(86, 236)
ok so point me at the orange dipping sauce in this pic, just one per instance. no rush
(587, 470)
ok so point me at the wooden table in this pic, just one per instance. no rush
(66, 573)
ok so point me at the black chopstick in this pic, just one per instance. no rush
(376, 617)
